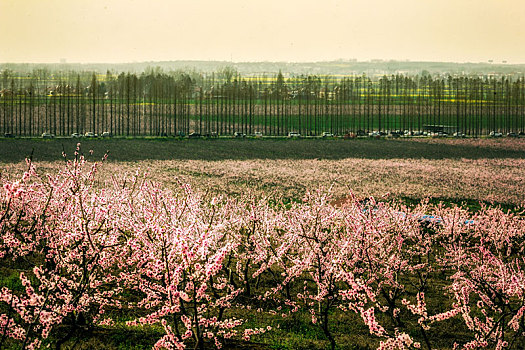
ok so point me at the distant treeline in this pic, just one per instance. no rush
(338, 67)
(155, 103)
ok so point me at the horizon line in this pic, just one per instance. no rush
(341, 60)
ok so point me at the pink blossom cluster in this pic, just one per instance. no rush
(191, 262)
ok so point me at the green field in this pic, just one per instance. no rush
(131, 149)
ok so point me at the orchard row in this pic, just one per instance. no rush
(85, 255)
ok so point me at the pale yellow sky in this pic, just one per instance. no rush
(258, 30)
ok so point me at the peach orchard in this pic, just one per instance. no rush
(194, 265)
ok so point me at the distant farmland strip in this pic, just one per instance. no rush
(159, 104)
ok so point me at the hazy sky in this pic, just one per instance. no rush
(258, 30)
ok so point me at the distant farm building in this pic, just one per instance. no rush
(447, 129)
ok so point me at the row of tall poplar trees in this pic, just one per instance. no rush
(155, 103)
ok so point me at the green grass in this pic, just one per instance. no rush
(16, 150)
(473, 205)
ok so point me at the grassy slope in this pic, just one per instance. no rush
(449, 170)
(14, 150)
